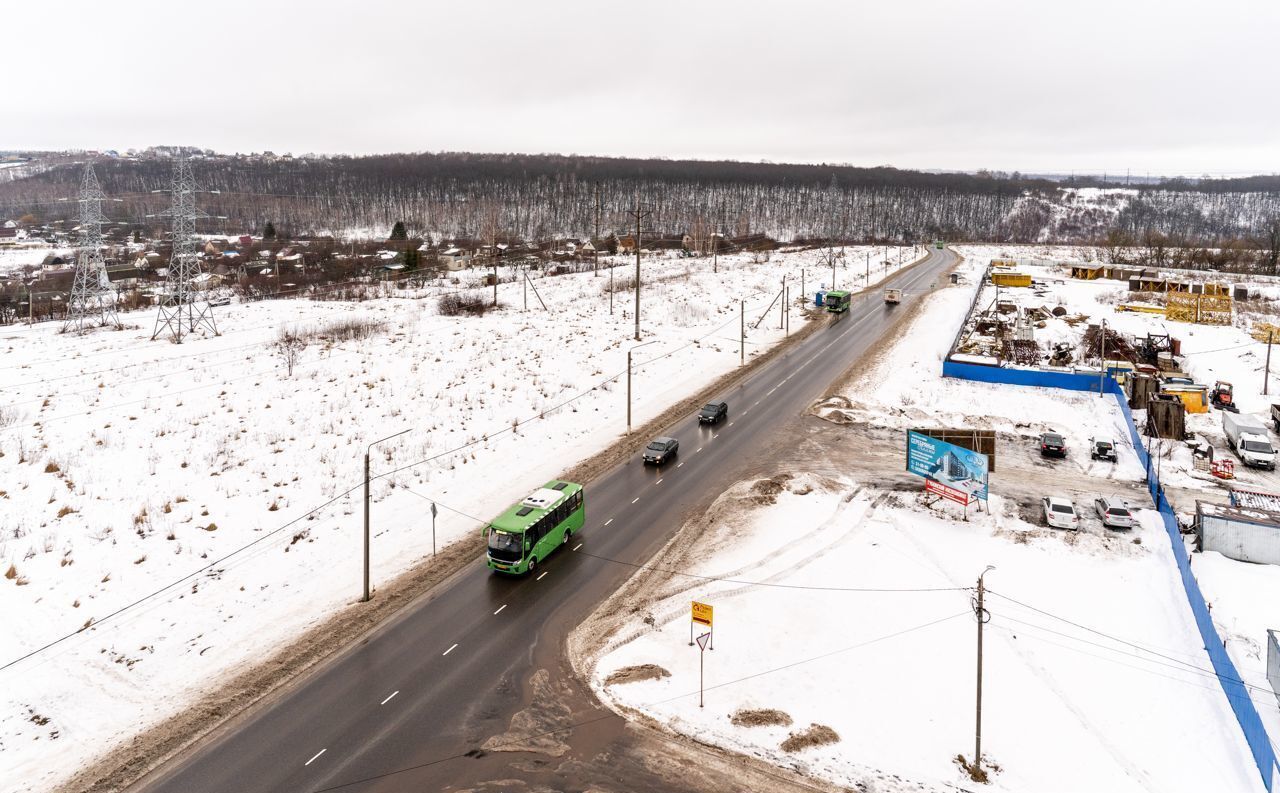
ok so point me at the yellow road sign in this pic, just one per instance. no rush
(702, 613)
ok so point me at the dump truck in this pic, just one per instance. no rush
(893, 296)
(1247, 437)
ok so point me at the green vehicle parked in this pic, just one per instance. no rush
(837, 302)
(528, 532)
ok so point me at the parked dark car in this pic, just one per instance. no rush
(1052, 445)
(661, 450)
(713, 412)
(1102, 449)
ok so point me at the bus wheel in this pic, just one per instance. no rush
(565, 539)
(533, 564)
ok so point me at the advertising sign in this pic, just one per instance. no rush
(952, 471)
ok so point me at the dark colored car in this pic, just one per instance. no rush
(1102, 450)
(661, 450)
(713, 412)
(1052, 445)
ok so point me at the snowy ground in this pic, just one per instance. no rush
(128, 465)
(1066, 708)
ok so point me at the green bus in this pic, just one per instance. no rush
(838, 302)
(939, 244)
(529, 531)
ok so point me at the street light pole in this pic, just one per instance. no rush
(367, 451)
(638, 346)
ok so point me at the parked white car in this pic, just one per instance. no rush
(1114, 514)
(1060, 513)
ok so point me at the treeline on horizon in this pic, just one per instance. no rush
(536, 197)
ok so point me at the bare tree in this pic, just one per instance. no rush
(289, 345)
(1271, 246)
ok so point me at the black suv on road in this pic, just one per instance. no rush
(713, 412)
(1052, 445)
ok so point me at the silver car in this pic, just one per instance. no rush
(1114, 514)
(1060, 513)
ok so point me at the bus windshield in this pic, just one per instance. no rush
(505, 542)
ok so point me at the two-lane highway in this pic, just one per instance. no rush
(427, 689)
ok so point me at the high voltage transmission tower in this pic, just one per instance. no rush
(90, 302)
(184, 306)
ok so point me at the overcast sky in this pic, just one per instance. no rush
(1166, 87)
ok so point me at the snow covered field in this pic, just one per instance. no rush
(128, 465)
(1095, 674)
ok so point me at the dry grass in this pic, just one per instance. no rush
(765, 491)
(636, 674)
(763, 717)
(815, 735)
(51, 468)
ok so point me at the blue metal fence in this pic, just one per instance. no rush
(1255, 733)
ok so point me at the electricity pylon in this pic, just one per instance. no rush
(90, 303)
(184, 306)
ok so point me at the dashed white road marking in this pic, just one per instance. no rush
(388, 699)
(312, 760)
(544, 575)
(500, 608)
(731, 424)
(607, 522)
(454, 647)
(717, 435)
(634, 500)
(679, 464)
(576, 547)
(658, 482)
(699, 449)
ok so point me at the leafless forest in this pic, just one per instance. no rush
(543, 196)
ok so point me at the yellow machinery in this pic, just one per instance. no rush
(1194, 397)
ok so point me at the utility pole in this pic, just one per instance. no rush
(1102, 375)
(782, 309)
(867, 278)
(639, 215)
(611, 288)
(742, 332)
(1266, 377)
(983, 618)
(715, 252)
(367, 451)
(638, 346)
(833, 271)
(786, 301)
(595, 265)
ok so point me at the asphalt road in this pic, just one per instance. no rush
(409, 707)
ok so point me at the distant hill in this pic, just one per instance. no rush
(539, 196)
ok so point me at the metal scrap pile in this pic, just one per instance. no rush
(1118, 346)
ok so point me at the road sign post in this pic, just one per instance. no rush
(433, 529)
(701, 614)
(702, 646)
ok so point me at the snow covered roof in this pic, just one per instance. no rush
(1255, 499)
(453, 252)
